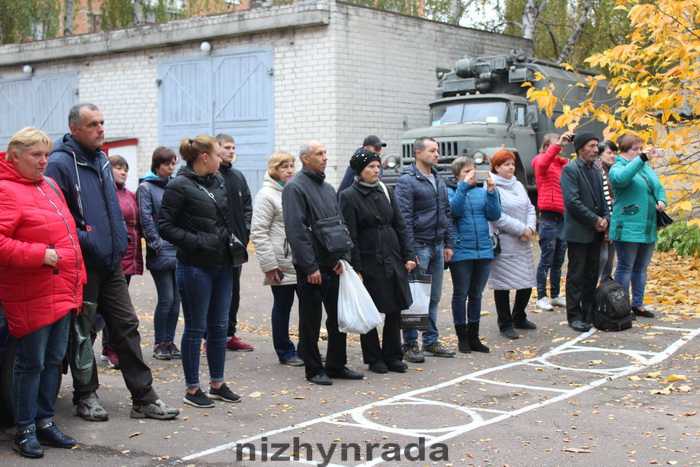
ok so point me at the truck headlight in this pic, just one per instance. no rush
(478, 157)
(391, 162)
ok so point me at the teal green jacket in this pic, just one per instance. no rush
(634, 211)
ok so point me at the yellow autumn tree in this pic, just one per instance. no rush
(655, 78)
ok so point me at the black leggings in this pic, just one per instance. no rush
(506, 318)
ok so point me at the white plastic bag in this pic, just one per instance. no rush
(357, 313)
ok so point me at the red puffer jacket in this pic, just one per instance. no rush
(34, 217)
(132, 262)
(548, 167)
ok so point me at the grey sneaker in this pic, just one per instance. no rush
(413, 353)
(90, 409)
(162, 351)
(438, 350)
(157, 410)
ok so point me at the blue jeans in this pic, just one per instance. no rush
(552, 258)
(432, 260)
(206, 298)
(632, 262)
(468, 281)
(607, 258)
(168, 308)
(281, 309)
(37, 371)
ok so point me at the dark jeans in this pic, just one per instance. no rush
(469, 278)
(37, 371)
(310, 324)
(632, 262)
(581, 279)
(235, 301)
(607, 258)
(106, 341)
(111, 293)
(206, 298)
(506, 318)
(390, 349)
(551, 259)
(281, 309)
(168, 308)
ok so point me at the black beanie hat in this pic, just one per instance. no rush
(581, 139)
(361, 159)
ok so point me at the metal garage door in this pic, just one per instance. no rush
(224, 92)
(42, 101)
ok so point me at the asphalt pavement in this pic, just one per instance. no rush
(552, 397)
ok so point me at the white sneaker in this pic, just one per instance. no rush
(558, 301)
(543, 304)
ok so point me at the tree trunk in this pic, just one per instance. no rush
(69, 18)
(457, 8)
(531, 14)
(582, 19)
(139, 17)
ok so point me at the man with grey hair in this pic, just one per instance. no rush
(306, 199)
(85, 176)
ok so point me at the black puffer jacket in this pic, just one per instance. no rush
(189, 219)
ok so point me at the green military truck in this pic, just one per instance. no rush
(482, 107)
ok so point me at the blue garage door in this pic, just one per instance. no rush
(42, 101)
(225, 92)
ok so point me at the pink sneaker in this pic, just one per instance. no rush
(234, 343)
(109, 355)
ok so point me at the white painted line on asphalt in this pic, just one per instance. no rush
(570, 347)
(516, 385)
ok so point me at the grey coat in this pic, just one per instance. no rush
(514, 267)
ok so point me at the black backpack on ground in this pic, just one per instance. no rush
(611, 307)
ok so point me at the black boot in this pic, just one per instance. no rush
(473, 337)
(463, 345)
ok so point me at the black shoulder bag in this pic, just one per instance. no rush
(239, 254)
(662, 219)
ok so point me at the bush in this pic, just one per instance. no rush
(679, 236)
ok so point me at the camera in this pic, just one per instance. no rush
(572, 137)
(480, 183)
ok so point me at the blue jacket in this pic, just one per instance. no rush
(472, 208)
(87, 182)
(427, 214)
(160, 254)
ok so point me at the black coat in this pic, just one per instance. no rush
(382, 246)
(189, 219)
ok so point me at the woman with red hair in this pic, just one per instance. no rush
(513, 268)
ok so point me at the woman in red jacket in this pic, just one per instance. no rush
(41, 283)
(548, 166)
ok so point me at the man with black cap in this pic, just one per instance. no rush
(307, 199)
(586, 217)
(373, 143)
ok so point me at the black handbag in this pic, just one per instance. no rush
(333, 234)
(662, 219)
(79, 352)
(496, 242)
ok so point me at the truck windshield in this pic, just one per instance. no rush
(481, 111)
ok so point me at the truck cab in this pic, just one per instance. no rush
(482, 107)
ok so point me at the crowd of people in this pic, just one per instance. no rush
(71, 251)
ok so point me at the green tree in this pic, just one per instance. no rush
(23, 20)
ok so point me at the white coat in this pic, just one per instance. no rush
(514, 267)
(267, 232)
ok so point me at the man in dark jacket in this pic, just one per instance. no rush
(422, 197)
(241, 208)
(85, 176)
(307, 198)
(586, 217)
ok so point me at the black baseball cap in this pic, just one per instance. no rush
(373, 141)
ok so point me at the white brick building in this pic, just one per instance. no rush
(337, 72)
